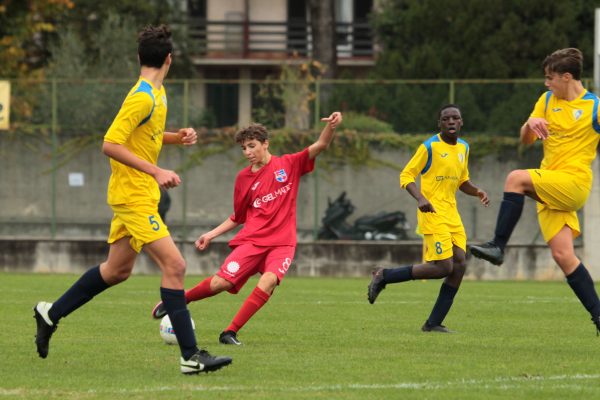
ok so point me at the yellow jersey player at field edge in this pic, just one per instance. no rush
(565, 118)
(442, 162)
(133, 143)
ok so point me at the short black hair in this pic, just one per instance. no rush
(565, 60)
(154, 45)
(446, 107)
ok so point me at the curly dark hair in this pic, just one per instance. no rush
(254, 131)
(154, 45)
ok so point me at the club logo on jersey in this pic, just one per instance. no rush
(232, 267)
(164, 100)
(577, 114)
(461, 157)
(280, 175)
(255, 186)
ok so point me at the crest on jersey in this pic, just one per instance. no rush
(461, 157)
(280, 175)
(577, 114)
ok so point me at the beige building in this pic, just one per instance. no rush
(250, 40)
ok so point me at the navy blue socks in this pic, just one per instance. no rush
(508, 216)
(394, 275)
(174, 302)
(87, 286)
(582, 284)
(442, 305)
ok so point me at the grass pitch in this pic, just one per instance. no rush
(315, 339)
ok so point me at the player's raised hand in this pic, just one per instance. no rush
(202, 242)
(539, 126)
(188, 136)
(167, 179)
(334, 119)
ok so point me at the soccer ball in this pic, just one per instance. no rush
(166, 330)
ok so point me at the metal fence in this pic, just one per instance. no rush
(57, 127)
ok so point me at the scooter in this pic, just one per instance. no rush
(381, 226)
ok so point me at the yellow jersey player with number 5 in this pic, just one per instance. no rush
(442, 162)
(133, 143)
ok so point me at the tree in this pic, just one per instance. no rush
(478, 38)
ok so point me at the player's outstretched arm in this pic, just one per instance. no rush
(204, 240)
(185, 136)
(326, 135)
(165, 178)
(472, 190)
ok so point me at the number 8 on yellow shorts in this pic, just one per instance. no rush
(140, 221)
(439, 246)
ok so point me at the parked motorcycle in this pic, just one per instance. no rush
(381, 226)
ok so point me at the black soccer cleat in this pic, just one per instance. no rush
(376, 286)
(45, 327)
(435, 328)
(229, 337)
(203, 361)
(159, 310)
(596, 321)
(488, 251)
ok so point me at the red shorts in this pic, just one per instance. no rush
(247, 259)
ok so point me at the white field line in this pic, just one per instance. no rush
(503, 383)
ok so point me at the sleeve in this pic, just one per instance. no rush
(302, 161)
(539, 110)
(135, 108)
(240, 205)
(465, 173)
(414, 167)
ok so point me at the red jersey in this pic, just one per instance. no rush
(265, 201)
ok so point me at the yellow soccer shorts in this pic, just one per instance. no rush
(439, 246)
(563, 194)
(140, 221)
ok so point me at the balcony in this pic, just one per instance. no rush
(241, 42)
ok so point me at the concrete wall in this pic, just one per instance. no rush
(205, 198)
(314, 259)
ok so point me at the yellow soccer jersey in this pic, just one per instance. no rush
(139, 126)
(574, 133)
(443, 168)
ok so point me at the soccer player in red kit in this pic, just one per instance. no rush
(264, 201)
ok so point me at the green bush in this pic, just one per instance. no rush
(364, 123)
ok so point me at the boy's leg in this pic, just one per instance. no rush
(518, 184)
(577, 275)
(439, 253)
(277, 261)
(166, 254)
(447, 293)
(116, 269)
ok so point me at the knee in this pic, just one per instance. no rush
(268, 282)
(176, 267)
(516, 181)
(562, 256)
(113, 275)
(445, 267)
(460, 266)
(218, 284)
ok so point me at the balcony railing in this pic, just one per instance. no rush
(266, 39)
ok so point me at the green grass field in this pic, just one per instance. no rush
(315, 339)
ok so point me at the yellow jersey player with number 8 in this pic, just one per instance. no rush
(442, 162)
